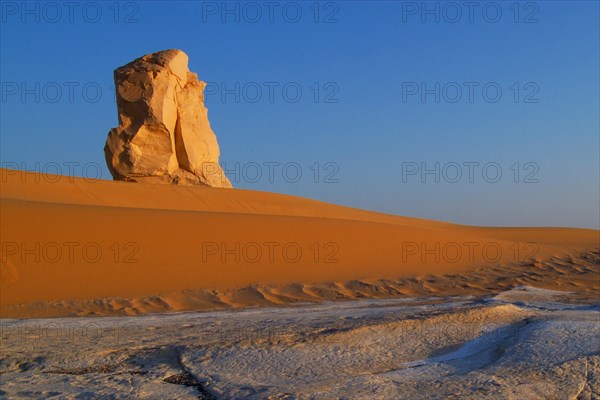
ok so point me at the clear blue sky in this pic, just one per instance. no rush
(361, 68)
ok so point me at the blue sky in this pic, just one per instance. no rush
(367, 94)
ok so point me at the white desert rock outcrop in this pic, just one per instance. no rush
(163, 135)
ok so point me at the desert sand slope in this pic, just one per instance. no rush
(69, 239)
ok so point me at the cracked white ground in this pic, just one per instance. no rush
(525, 343)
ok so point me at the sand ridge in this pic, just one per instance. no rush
(76, 246)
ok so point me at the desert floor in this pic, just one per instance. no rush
(524, 343)
(121, 290)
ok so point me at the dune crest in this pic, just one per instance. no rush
(75, 246)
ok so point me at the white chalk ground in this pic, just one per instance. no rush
(522, 344)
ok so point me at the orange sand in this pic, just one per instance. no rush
(69, 239)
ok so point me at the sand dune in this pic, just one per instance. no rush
(74, 246)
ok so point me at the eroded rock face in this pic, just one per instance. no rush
(163, 135)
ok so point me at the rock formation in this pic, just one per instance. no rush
(163, 135)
